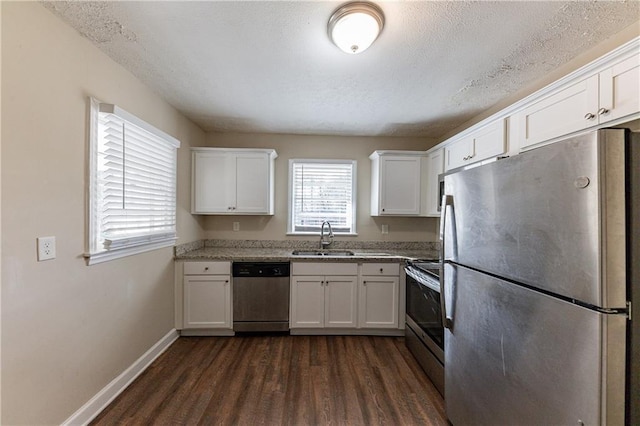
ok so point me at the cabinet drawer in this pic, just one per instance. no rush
(386, 269)
(207, 268)
(323, 268)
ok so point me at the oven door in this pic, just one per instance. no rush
(423, 311)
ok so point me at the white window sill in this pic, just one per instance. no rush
(108, 255)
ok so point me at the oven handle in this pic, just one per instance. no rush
(447, 200)
(429, 284)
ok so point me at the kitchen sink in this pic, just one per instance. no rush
(337, 253)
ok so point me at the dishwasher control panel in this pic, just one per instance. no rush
(261, 269)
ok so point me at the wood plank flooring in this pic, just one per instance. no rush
(280, 380)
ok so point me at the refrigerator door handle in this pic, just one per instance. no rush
(447, 200)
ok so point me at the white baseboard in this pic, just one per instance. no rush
(99, 402)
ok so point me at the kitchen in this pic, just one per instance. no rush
(69, 329)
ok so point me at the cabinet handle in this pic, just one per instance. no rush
(589, 116)
(602, 111)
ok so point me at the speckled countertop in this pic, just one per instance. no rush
(281, 251)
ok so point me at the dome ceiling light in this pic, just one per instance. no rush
(354, 26)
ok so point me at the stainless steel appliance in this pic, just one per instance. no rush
(424, 334)
(261, 296)
(540, 267)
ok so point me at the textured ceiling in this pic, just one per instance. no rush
(269, 67)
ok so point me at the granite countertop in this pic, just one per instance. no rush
(284, 255)
(281, 251)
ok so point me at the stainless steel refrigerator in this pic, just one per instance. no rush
(540, 269)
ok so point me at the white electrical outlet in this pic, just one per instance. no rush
(46, 248)
(236, 226)
(385, 229)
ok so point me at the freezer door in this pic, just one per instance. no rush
(552, 218)
(518, 357)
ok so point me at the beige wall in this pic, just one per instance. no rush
(68, 329)
(296, 146)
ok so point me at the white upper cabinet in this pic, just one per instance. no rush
(435, 166)
(609, 95)
(568, 110)
(232, 181)
(605, 92)
(620, 90)
(396, 182)
(481, 144)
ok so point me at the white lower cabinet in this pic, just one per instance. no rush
(207, 295)
(321, 299)
(378, 294)
(345, 295)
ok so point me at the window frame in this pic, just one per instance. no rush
(354, 180)
(96, 250)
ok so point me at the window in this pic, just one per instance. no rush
(132, 189)
(322, 190)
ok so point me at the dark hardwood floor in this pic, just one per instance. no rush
(280, 380)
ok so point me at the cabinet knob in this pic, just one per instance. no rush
(602, 111)
(381, 270)
(589, 116)
(382, 209)
(364, 283)
(226, 281)
(206, 268)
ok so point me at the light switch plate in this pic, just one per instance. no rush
(236, 226)
(385, 229)
(46, 248)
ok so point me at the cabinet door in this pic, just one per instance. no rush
(458, 153)
(207, 301)
(489, 141)
(400, 185)
(569, 110)
(340, 301)
(620, 90)
(307, 302)
(378, 302)
(252, 184)
(211, 191)
(436, 167)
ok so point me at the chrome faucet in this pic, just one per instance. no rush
(324, 243)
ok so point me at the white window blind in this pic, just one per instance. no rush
(133, 188)
(322, 190)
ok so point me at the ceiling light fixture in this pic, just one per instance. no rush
(353, 27)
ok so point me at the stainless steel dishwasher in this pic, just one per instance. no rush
(261, 296)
